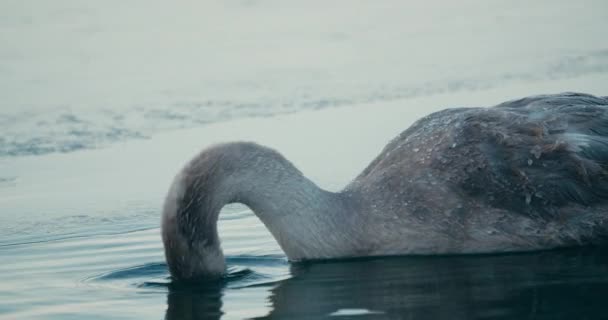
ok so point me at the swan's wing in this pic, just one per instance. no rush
(532, 155)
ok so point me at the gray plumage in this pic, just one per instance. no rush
(524, 175)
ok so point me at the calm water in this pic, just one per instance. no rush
(101, 102)
(123, 276)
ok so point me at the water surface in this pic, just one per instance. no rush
(123, 276)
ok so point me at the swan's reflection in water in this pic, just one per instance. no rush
(571, 284)
(195, 303)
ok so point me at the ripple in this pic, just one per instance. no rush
(150, 269)
(243, 271)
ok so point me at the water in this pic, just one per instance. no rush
(123, 277)
(103, 102)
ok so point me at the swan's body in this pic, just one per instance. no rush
(525, 175)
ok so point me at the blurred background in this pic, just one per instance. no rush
(83, 74)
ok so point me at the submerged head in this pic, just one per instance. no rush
(221, 174)
(192, 250)
(191, 209)
(292, 207)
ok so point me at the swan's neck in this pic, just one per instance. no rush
(306, 221)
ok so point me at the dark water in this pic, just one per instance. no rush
(569, 284)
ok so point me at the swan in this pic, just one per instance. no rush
(527, 174)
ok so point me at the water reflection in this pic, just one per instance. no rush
(195, 303)
(548, 285)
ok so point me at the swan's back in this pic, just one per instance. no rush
(542, 158)
(536, 154)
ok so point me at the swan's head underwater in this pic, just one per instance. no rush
(306, 221)
(226, 173)
(528, 174)
(190, 250)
